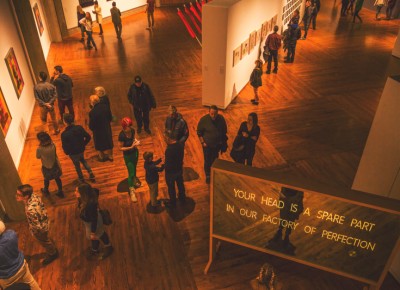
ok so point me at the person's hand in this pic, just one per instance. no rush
(245, 134)
(204, 144)
(93, 236)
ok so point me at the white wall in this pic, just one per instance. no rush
(21, 109)
(226, 24)
(45, 37)
(396, 48)
(69, 7)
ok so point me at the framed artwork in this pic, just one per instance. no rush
(274, 21)
(244, 48)
(5, 116)
(264, 29)
(15, 72)
(86, 3)
(236, 55)
(258, 36)
(252, 40)
(38, 18)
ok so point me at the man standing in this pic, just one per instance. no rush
(294, 34)
(212, 130)
(308, 11)
(63, 84)
(142, 100)
(359, 5)
(150, 13)
(177, 125)
(36, 215)
(13, 267)
(74, 140)
(273, 43)
(45, 94)
(317, 6)
(174, 168)
(116, 19)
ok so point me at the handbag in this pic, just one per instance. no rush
(106, 216)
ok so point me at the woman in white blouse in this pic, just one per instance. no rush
(99, 16)
(87, 22)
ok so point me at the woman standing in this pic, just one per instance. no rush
(379, 4)
(128, 145)
(100, 118)
(87, 23)
(51, 167)
(255, 80)
(80, 15)
(99, 16)
(249, 131)
(88, 206)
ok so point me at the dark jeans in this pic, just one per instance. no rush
(47, 183)
(46, 242)
(210, 154)
(77, 159)
(175, 177)
(356, 15)
(345, 4)
(272, 54)
(291, 52)
(65, 103)
(314, 21)
(150, 16)
(306, 26)
(142, 117)
(90, 39)
(118, 29)
(247, 159)
(96, 243)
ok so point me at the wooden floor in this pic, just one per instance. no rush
(314, 115)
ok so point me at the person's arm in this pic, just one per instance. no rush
(53, 94)
(200, 132)
(38, 153)
(86, 136)
(158, 161)
(119, 12)
(152, 99)
(256, 134)
(185, 130)
(82, 21)
(91, 213)
(130, 95)
(37, 97)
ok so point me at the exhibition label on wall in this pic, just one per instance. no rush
(337, 231)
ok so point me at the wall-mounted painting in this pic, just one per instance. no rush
(244, 48)
(236, 55)
(86, 3)
(258, 36)
(38, 18)
(264, 29)
(252, 40)
(5, 116)
(15, 72)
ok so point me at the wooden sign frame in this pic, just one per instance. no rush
(379, 203)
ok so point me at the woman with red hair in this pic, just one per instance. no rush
(128, 145)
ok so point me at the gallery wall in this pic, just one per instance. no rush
(45, 39)
(226, 25)
(20, 108)
(69, 7)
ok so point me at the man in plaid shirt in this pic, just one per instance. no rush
(38, 221)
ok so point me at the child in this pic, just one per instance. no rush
(152, 176)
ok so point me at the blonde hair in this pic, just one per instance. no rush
(94, 99)
(100, 91)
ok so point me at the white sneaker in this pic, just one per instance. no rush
(132, 194)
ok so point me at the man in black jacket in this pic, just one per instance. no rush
(294, 34)
(74, 140)
(63, 84)
(142, 100)
(177, 125)
(212, 130)
(174, 168)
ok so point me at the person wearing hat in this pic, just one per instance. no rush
(142, 100)
(38, 221)
(128, 145)
(13, 267)
(177, 125)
